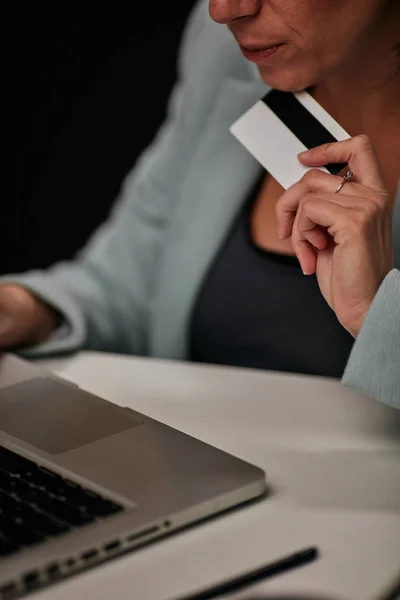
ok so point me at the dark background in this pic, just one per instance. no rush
(88, 90)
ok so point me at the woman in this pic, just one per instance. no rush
(204, 254)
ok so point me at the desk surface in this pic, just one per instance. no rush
(332, 460)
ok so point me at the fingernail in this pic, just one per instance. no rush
(304, 153)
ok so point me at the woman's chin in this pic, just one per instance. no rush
(285, 81)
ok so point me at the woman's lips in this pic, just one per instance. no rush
(259, 55)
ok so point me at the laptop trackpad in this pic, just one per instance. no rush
(56, 417)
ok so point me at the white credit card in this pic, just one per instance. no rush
(281, 125)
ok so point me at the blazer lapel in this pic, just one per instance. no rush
(216, 185)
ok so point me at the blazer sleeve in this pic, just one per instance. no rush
(374, 363)
(105, 293)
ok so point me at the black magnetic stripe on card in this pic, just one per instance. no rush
(301, 123)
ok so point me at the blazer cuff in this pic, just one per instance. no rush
(374, 363)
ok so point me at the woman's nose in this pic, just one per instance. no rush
(226, 11)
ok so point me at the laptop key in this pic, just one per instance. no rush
(74, 495)
(6, 502)
(41, 477)
(18, 534)
(41, 500)
(84, 500)
(41, 522)
(13, 462)
(13, 484)
(7, 547)
(69, 514)
(33, 519)
(55, 507)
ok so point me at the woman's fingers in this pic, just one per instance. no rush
(319, 212)
(311, 212)
(318, 237)
(357, 152)
(315, 215)
(345, 237)
(288, 203)
(313, 181)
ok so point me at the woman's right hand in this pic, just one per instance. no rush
(25, 320)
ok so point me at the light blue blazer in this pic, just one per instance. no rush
(132, 288)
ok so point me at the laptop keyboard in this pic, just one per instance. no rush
(37, 503)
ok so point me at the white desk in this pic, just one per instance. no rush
(331, 457)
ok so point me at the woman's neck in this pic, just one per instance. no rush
(364, 97)
(361, 107)
(364, 94)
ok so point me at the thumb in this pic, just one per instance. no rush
(357, 152)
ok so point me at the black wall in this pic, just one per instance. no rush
(88, 89)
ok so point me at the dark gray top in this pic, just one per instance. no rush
(257, 309)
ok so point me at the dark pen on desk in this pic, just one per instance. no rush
(292, 561)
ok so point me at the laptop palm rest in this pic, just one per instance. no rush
(56, 417)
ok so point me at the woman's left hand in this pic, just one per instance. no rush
(346, 237)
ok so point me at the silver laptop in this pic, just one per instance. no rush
(83, 480)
